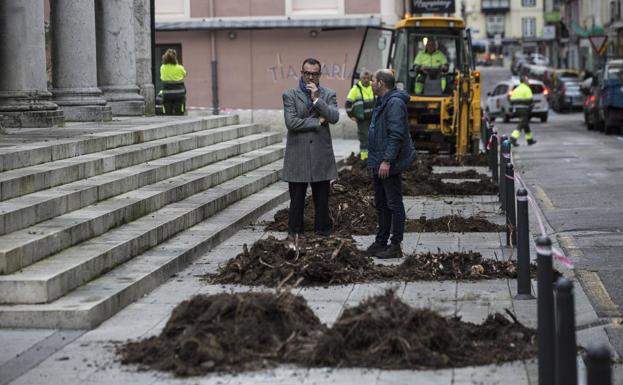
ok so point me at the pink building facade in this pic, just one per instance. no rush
(259, 45)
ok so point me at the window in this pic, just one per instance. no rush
(172, 8)
(528, 26)
(315, 7)
(500, 90)
(494, 25)
(448, 42)
(528, 3)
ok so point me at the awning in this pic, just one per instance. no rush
(255, 23)
(615, 25)
(592, 31)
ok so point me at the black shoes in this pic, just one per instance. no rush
(514, 142)
(393, 251)
(375, 248)
(531, 142)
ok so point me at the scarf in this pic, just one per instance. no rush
(309, 102)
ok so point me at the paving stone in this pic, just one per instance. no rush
(16, 341)
(428, 377)
(363, 291)
(346, 376)
(339, 293)
(506, 374)
(483, 291)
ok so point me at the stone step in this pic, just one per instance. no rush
(55, 276)
(26, 180)
(27, 210)
(99, 299)
(24, 247)
(90, 138)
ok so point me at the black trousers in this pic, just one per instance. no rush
(174, 106)
(390, 208)
(524, 119)
(320, 195)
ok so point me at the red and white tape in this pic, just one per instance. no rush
(491, 141)
(557, 253)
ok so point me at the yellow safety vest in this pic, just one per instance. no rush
(360, 101)
(522, 92)
(172, 72)
(436, 59)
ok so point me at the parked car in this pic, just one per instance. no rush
(557, 75)
(566, 95)
(499, 104)
(610, 97)
(539, 59)
(590, 91)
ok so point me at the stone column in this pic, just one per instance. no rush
(116, 57)
(75, 66)
(142, 31)
(24, 96)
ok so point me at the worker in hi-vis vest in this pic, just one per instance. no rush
(428, 61)
(173, 90)
(359, 105)
(522, 101)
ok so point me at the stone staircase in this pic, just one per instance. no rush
(92, 222)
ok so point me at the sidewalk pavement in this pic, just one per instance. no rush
(89, 358)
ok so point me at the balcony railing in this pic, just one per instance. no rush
(495, 5)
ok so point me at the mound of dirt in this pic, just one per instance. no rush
(326, 261)
(350, 212)
(311, 261)
(248, 331)
(454, 266)
(384, 332)
(453, 224)
(419, 180)
(467, 174)
(225, 332)
(465, 160)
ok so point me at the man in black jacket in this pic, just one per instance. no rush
(391, 151)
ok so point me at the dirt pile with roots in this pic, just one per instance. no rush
(384, 332)
(248, 331)
(418, 180)
(330, 261)
(352, 213)
(351, 201)
(224, 332)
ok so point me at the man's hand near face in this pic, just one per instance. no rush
(384, 169)
(313, 90)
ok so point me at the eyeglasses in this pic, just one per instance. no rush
(310, 74)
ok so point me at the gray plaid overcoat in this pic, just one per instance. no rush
(309, 151)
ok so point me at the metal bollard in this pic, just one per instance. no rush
(523, 247)
(505, 150)
(511, 220)
(598, 366)
(565, 349)
(545, 311)
(493, 157)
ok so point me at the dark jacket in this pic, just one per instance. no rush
(389, 137)
(309, 150)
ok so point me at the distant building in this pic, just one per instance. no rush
(504, 25)
(243, 54)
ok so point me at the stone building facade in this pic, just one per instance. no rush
(98, 70)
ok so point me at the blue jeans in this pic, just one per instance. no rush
(389, 208)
